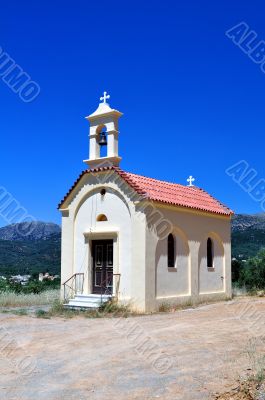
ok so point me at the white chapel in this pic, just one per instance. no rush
(143, 241)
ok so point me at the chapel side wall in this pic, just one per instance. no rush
(228, 267)
(191, 230)
(138, 276)
(66, 248)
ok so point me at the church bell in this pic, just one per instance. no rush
(102, 139)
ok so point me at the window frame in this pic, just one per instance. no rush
(102, 218)
(171, 253)
(210, 254)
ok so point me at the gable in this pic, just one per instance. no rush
(96, 178)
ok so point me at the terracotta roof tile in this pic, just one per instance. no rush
(165, 192)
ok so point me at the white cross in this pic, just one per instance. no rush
(104, 97)
(190, 180)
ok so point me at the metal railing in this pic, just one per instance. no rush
(110, 283)
(73, 285)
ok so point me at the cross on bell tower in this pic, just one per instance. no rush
(104, 98)
(107, 119)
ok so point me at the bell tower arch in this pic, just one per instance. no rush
(104, 131)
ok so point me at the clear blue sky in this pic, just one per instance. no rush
(193, 102)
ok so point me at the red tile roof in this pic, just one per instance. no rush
(165, 192)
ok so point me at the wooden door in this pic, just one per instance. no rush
(102, 254)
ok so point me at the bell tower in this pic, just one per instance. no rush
(104, 123)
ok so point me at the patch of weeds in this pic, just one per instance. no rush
(252, 386)
(260, 375)
(93, 314)
(42, 314)
(57, 308)
(252, 292)
(247, 389)
(108, 309)
(112, 307)
(165, 307)
(21, 311)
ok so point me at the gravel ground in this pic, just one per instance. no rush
(189, 354)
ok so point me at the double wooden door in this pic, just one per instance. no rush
(102, 254)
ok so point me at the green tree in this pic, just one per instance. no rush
(253, 274)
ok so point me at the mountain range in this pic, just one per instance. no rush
(27, 249)
(242, 222)
(35, 230)
(248, 235)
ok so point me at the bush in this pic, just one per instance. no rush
(252, 275)
(33, 286)
(42, 314)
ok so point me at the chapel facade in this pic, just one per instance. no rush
(142, 241)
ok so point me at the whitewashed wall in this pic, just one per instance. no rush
(173, 281)
(211, 280)
(117, 213)
(196, 282)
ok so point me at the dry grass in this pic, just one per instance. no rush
(10, 299)
(249, 389)
(109, 309)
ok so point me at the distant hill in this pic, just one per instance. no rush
(248, 235)
(241, 222)
(27, 257)
(40, 251)
(29, 231)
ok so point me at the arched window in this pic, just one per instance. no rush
(209, 253)
(101, 217)
(170, 251)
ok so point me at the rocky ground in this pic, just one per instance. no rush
(197, 353)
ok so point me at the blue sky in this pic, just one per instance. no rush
(193, 102)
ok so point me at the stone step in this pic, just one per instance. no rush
(78, 304)
(95, 298)
(87, 301)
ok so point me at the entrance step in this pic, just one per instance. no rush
(92, 301)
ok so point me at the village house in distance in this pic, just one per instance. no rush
(143, 241)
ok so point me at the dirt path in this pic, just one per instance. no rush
(188, 355)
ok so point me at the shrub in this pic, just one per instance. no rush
(164, 307)
(112, 306)
(252, 275)
(42, 314)
(21, 311)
